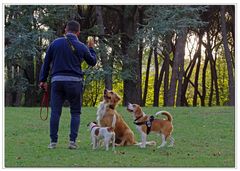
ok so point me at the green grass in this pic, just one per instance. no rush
(204, 137)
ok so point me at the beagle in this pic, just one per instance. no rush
(146, 124)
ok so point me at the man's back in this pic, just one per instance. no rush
(64, 61)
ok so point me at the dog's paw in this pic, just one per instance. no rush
(142, 146)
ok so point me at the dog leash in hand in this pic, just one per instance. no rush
(44, 102)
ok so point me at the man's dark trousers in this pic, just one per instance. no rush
(61, 91)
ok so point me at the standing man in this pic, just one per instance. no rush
(64, 56)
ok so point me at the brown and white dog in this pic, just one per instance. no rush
(105, 133)
(105, 113)
(159, 126)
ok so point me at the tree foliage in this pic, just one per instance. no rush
(151, 55)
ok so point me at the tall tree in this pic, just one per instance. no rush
(231, 81)
(173, 19)
(166, 53)
(147, 77)
(107, 66)
(177, 69)
(22, 36)
(28, 29)
(180, 53)
(188, 75)
(213, 72)
(198, 53)
(131, 84)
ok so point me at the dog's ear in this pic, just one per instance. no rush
(94, 122)
(138, 110)
(105, 91)
(88, 124)
(117, 98)
(128, 103)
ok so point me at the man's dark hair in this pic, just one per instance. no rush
(73, 26)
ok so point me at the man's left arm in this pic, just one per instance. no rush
(90, 54)
(90, 57)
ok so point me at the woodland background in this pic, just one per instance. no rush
(159, 55)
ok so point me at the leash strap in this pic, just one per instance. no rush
(147, 123)
(44, 102)
(72, 47)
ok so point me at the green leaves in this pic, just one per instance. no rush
(18, 84)
(164, 20)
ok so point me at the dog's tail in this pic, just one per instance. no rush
(169, 116)
(114, 121)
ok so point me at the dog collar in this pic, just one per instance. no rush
(93, 127)
(138, 118)
(111, 107)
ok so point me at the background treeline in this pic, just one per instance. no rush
(151, 55)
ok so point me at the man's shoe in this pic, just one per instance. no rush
(72, 145)
(52, 145)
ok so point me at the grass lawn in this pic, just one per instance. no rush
(204, 137)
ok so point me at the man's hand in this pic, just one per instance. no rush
(90, 41)
(43, 85)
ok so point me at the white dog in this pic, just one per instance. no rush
(105, 133)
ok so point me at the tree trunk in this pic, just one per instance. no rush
(181, 69)
(105, 62)
(140, 51)
(231, 84)
(188, 74)
(159, 82)
(211, 90)
(167, 50)
(18, 99)
(8, 93)
(30, 94)
(198, 53)
(204, 81)
(156, 89)
(132, 84)
(8, 98)
(232, 13)
(213, 70)
(232, 30)
(176, 73)
(147, 77)
(39, 63)
(157, 79)
(166, 78)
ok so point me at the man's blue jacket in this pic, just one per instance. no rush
(63, 62)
